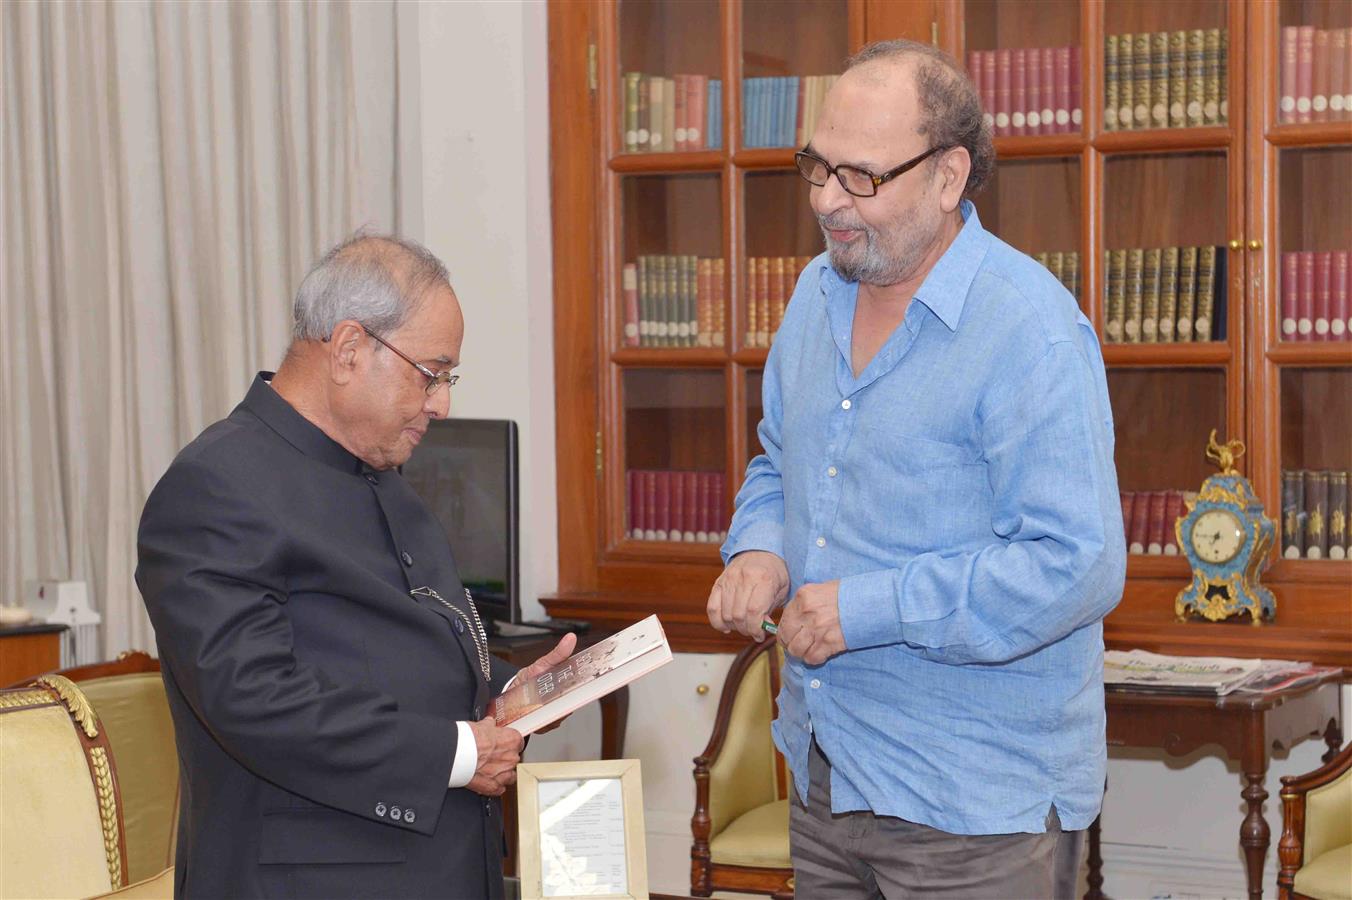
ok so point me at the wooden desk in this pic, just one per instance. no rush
(28, 650)
(1245, 727)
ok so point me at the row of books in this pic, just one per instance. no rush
(1028, 90)
(1315, 302)
(1316, 77)
(661, 114)
(1065, 265)
(769, 285)
(677, 506)
(674, 301)
(1165, 295)
(782, 111)
(1314, 514)
(1166, 79)
(1148, 519)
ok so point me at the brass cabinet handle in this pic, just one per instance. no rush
(702, 689)
(1255, 244)
(1236, 244)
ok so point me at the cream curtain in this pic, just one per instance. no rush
(170, 170)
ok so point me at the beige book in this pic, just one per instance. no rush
(1131, 321)
(1150, 297)
(1168, 294)
(1159, 80)
(1196, 79)
(1187, 286)
(1178, 79)
(1116, 266)
(1141, 91)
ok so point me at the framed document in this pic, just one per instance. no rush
(581, 830)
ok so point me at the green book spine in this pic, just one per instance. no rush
(631, 80)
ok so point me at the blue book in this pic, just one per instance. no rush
(777, 114)
(790, 138)
(766, 106)
(713, 127)
(748, 111)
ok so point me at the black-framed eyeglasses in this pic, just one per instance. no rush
(856, 181)
(434, 379)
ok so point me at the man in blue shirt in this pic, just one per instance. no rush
(937, 503)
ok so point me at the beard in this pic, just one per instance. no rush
(880, 256)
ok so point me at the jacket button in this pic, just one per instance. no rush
(380, 809)
(372, 479)
(458, 626)
(396, 813)
(408, 816)
(408, 560)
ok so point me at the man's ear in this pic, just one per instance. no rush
(344, 347)
(954, 168)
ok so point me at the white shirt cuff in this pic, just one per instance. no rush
(466, 756)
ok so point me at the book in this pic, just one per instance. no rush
(1131, 322)
(1337, 528)
(1003, 90)
(1206, 293)
(1196, 94)
(1126, 81)
(1141, 670)
(1173, 511)
(1033, 115)
(1155, 524)
(585, 676)
(1076, 113)
(1159, 79)
(1223, 75)
(704, 302)
(676, 515)
(1071, 273)
(1340, 102)
(778, 295)
(1211, 76)
(1304, 72)
(1319, 81)
(1289, 286)
(1316, 514)
(1305, 297)
(1061, 77)
(681, 102)
(1340, 306)
(1142, 82)
(1047, 116)
(1286, 103)
(1138, 533)
(1178, 79)
(987, 88)
(1168, 293)
(1116, 305)
(650, 506)
(1293, 514)
(1187, 286)
(752, 301)
(629, 289)
(1110, 83)
(1150, 296)
(1128, 499)
(1323, 265)
(720, 301)
(762, 301)
(1018, 91)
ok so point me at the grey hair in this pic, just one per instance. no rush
(949, 103)
(377, 279)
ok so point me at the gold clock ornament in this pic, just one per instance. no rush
(1226, 537)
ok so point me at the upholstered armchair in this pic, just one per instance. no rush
(60, 819)
(128, 697)
(1316, 844)
(741, 821)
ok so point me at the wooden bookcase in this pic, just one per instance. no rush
(624, 407)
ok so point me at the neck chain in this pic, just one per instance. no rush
(476, 627)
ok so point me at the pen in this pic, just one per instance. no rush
(770, 627)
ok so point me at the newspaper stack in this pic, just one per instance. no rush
(1139, 670)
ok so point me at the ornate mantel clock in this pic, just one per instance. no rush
(1226, 538)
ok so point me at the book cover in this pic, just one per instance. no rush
(1221, 309)
(1168, 294)
(1174, 510)
(629, 287)
(657, 112)
(1070, 267)
(1138, 534)
(1211, 76)
(714, 124)
(1155, 524)
(988, 87)
(1304, 72)
(1142, 91)
(1150, 297)
(676, 516)
(1286, 102)
(1060, 90)
(1126, 81)
(1003, 91)
(1033, 118)
(1316, 514)
(1018, 92)
(1290, 283)
(692, 300)
(1323, 272)
(720, 301)
(1111, 83)
(1047, 119)
(690, 521)
(583, 677)
(704, 301)
(662, 506)
(752, 301)
(1196, 78)
(1338, 75)
(643, 136)
(669, 115)
(1076, 115)
(1178, 79)
(777, 295)
(675, 310)
(1319, 81)
(1293, 513)
(763, 301)
(1116, 305)
(1131, 321)
(680, 101)
(645, 321)
(1305, 298)
(1340, 306)
(650, 505)
(1338, 537)
(695, 135)
(1159, 79)
(1206, 293)
(1187, 287)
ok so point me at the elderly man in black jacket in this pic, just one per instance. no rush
(327, 672)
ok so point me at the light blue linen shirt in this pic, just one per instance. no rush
(962, 489)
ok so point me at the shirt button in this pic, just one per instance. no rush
(380, 809)
(372, 479)
(832, 471)
(408, 560)
(844, 404)
(816, 683)
(821, 542)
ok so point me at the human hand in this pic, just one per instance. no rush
(499, 752)
(562, 650)
(810, 626)
(754, 582)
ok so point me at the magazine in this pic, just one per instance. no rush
(583, 677)
(1144, 671)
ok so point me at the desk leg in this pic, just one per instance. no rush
(1254, 834)
(1095, 878)
(614, 718)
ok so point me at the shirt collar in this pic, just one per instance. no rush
(273, 410)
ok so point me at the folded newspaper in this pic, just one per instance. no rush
(1141, 670)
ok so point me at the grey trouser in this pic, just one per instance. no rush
(860, 855)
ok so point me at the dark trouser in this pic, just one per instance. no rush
(860, 855)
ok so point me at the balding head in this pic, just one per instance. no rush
(377, 280)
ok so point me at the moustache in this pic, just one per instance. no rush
(833, 224)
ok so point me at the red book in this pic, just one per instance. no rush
(1126, 497)
(1140, 517)
(1173, 511)
(1075, 115)
(1018, 91)
(712, 502)
(1061, 90)
(1322, 285)
(690, 484)
(1286, 104)
(676, 521)
(1003, 90)
(1338, 74)
(629, 284)
(1155, 527)
(974, 64)
(976, 68)
(720, 510)
(1319, 92)
(698, 110)
(634, 496)
(1305, 298)
(1290, 290)
(1033, 113)
(1304, 72)
(1048, 116)
(1341, 311)
(650, 506)
(682, 114)
(700, 507)
(663, 507)
(988, 87)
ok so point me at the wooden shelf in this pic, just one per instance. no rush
(676, 551)
(1142, 565)
(1212, 353)
(752, 356)
(1016, 147)
(1310, 134)
(1314, 571)
(1311, 353)
(1165, 140)
(765, 158)
(659, 163)
(663, 357)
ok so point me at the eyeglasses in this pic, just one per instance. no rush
(434, 379)
(856, 181)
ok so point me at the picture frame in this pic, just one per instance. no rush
(580, 830)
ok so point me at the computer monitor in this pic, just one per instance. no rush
(466, 471)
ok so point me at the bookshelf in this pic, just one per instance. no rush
(1246, 181)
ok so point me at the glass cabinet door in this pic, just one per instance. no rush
(792, 51)
(670, 84)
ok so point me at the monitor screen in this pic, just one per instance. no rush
(466, 471)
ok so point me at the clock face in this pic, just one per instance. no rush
(1217, 536)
